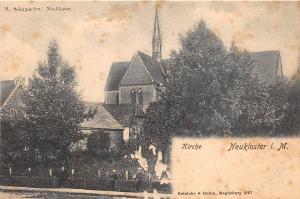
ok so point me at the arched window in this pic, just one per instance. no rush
(133, 96)
(140, 97)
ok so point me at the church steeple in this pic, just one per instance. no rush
(156, 39)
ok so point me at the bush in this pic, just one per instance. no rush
(98, 143)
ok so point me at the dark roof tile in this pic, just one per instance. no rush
(137, 73)
(116, 73)
(102, 120)
(266, 64)
(153, 67)
(123, 113)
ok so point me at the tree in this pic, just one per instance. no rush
(201, 89)
(195, 95)
(54, 108)
(98, 143)
(263, 110)
(13, 138)
(211, 91)
(291, 123)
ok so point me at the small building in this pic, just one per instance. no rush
(130, 117)
(103, 122)
(11, 105)
(10, 97)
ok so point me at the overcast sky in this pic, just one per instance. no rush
(94, 34)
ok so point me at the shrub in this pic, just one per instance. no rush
(98, 143)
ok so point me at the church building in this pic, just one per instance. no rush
(136, 81)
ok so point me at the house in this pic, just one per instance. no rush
(103, 122)
(122, 123)
(130, 117)
(11, 105)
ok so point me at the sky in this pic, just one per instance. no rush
(92, 35)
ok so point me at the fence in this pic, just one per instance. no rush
(84, 183)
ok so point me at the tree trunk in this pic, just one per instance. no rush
(66, 160)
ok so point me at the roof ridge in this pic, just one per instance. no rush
(154, 60)
(130, 64)
(136, 54)
(100, 108)
(120, 62)
(145, 65)
(264, 51)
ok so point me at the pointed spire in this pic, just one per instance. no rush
(156, 32)
(156, 38)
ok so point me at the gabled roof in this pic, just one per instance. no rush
(266, 65)
(7, 86)
(116, 73)
(143, 69)
(123, 113)
(102, 120)
(153, 67)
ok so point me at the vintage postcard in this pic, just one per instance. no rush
(150, 99)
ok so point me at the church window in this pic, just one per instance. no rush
(133, 96)
(140, 97)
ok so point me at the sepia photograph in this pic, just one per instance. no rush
(150, 99)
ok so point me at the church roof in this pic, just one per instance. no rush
(153, 67)
(116, 73)
(102, 120)
(266, 65)
(123, 113)
(7, 86)
(142, 69)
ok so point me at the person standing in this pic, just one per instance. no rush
(139, 177)
(114, 178)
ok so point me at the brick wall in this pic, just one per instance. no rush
(111, 97)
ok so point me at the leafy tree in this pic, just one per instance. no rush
(98, 143)
(263, 110)
(13, 138)
(54, 107)
(291, 123)
(201, 90)
(211, 91)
